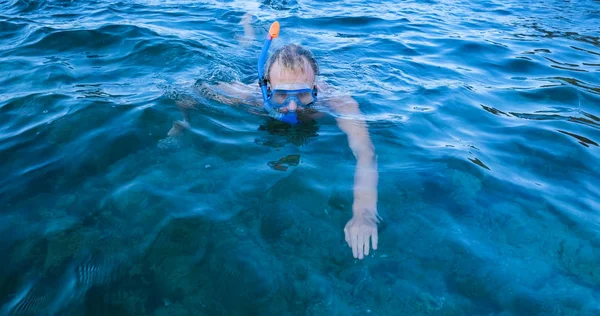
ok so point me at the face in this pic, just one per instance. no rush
(282, 75)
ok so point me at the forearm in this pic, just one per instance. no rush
(185, 105)
(366, 178)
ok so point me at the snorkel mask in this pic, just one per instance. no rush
(281, 95)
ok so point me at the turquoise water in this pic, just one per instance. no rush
(484, 114)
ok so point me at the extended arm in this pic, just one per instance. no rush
(362, 228)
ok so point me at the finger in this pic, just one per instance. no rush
(374, 239)
(354, 239)
(366, 244)
(360, 246)
(347, 237)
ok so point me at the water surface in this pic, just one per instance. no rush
(484, 115)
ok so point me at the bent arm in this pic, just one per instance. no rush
(234, 93)
(366, 175)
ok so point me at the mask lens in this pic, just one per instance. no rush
(280, 98)
(305, 97)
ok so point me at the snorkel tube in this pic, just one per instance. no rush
(289, 117)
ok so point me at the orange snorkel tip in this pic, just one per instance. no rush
(274, 30)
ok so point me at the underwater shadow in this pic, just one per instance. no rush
(282, 133)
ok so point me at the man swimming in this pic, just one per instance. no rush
(289, 88)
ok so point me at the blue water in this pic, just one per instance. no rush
(485, 117)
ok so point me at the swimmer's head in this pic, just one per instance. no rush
(291, 65)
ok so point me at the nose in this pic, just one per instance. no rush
(292, 106)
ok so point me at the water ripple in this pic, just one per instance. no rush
(484, 116)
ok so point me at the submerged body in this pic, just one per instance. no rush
(289, 91)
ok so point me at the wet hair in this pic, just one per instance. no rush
(292, 56)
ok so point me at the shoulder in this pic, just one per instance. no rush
(324, 87)
(336, 100)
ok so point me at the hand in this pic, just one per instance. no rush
(178, 127)
(246, 19)
(248, 30)
(358, 231)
